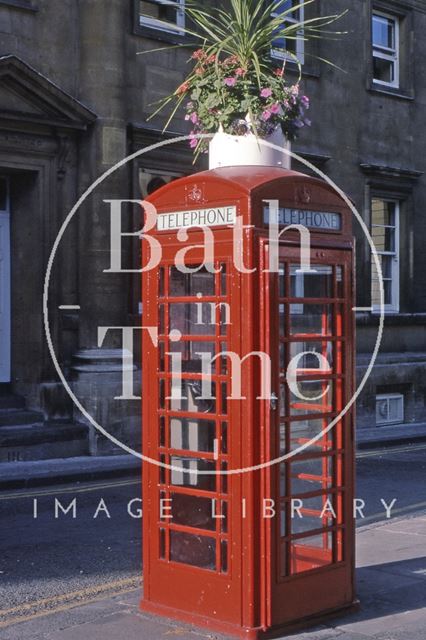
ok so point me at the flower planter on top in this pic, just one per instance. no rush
(227, 150)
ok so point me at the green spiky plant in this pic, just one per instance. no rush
(233, 75)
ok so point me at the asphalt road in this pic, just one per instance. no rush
(49, 562)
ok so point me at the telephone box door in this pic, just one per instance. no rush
(191, 506)
(308, 333)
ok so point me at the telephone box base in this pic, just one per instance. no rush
(254, 633)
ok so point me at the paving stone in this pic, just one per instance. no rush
(127, 625)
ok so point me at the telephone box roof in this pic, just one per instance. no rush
(242, 181)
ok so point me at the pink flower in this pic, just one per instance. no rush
(230, 60)
(275, 108)
(266, 93)
(183, 88)
(305, 101)
(193, 141)
(194, 117)
(230, 82)
(266, 115)
(198, 55)
(279, 72)
(240, 72)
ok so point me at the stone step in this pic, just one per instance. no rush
(18, 417)
(46, 441)
(11, 401)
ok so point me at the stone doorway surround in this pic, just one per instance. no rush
(41, 127)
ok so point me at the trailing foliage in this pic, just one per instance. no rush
(234, 82)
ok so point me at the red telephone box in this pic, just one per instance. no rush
(248, 522)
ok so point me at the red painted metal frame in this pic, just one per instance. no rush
(338, 566)
(252, 596)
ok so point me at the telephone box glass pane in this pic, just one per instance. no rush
(318, 284)
(192, 435)
(224, 556)
(282, 320)
(191, 399)
(302, 431)
(197, 319)
(192, 511)
(185, 473)
(311, 319)
(310, 475)
(310, 522)
(192, 355)
(309, 360)
(190, 284)
(339, 282)
(195, 550)
(314, 396)
(281, 279)
(311, 552)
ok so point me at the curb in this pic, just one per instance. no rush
(24, 475)
(377, 437)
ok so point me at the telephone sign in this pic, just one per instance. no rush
(319, 220)
(212, 217)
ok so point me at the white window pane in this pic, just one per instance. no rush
(286, 48)
(386, 266)
(383, 70)
(284, 44)
(375, 292)
(294, 16)
(383, 212)
(384, 231)
(395, 409)
(383, 32)
(154, 12)
(286, 6)
(383, 238)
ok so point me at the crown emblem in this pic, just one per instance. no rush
(303, 194)
(195, 194)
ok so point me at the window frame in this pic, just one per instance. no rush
(388, 397)
(300, 43)
(385, 53)
(150, 26)
(393, 306)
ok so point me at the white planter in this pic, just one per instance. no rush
(226, 150)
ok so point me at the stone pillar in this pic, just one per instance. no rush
(103, 297)
(97, 381)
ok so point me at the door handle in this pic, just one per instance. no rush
(273, 401)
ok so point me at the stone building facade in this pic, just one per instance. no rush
(75, 98)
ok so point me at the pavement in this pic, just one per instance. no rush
(391, 584)
(24, 475)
